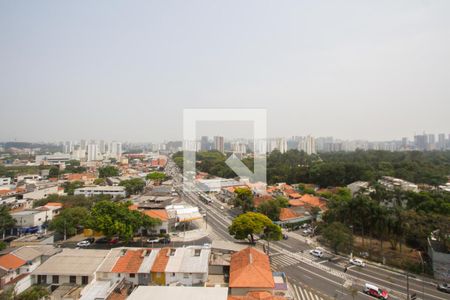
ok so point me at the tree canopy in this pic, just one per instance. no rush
(249, 224)
(69, 220)
(156, 176)
(108, 171)
(244, 199)
(133, 186)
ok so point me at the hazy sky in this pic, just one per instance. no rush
(125, 70)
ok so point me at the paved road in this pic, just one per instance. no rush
(317, 278)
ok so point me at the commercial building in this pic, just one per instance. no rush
(93, 153)
(52, 159)
(101, 190)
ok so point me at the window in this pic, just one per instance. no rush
(132, 275)
(197, 252)
(73, 279)
(172, 252)
(55, 279)
(185, 275)
(173, 274)
(84, 279)
(42, 279)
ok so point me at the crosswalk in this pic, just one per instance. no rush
(301, 293)
(282, 260)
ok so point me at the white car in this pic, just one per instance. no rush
(357, 262)
(83, 244)
(316, 253)
(307, 231)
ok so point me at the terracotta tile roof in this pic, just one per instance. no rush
(288, 214)
(313, 201)
(79, 176)
(258, 200)
(10, 261)
(129, 263)
(250, 268)
(5, 192)
(257, 296)
(296, 202)
(160, 263)
(295, 195)
(157, 214)
(133, 207)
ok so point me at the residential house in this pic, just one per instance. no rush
(74, 266)
(250, 272)
(188, 266)
(179, 293)
(160, 214)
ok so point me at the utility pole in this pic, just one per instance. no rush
(407, 286)
(65, 231)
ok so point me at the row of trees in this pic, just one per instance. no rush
(337, 168)
(382, 215)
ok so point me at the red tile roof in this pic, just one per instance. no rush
(133, 207)
(157, 214)
(10, 261)
(258, 200)
(296, 202)
(161, 260)
(313, 201)
(288, 214)
(54, 204)
(250, 268)
(129, 263)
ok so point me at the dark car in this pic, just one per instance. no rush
(90, 239)
(444, 287)
(102, 240)
(164, 240)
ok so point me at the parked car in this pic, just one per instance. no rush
(375, 291)
(102, 240)
(357, 262)
(114, 240)
(307, 231)
(164, 240)
(83, 243)
(90, 239)
(316, 253)
(444, 287)
(154, 239)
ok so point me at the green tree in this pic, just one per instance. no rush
(249, 224)
(53, 172)
(338, 236)
(3, 245)
(36, 292)
(100, 181)
(69, 220)
(133, 186)
(272, 207)
(108, 171)
(6, 220)
(70, 187)
(114, 218)
(156, 176)
(244, 199)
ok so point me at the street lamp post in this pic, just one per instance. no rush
(351, 243)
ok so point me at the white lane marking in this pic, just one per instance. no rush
(301, 291)
(296, 292)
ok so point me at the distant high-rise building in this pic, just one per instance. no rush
(102, 147)
(204, 143)
(68, 147)
(218, 144)
(92, 152)
(307, 144)
(115, 150)
(431, 142)
(239, 148)
(441, 141)
(421, 142)
(83, 145)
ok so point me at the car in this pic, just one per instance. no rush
(102, 240)
(222, 208)
(307, 231)
(443, 287)
(316, 253)
(83, 243)
(153, 240)
(90, 239)
(375, 291)
(114, 240)
(357, 262)
(164, 240)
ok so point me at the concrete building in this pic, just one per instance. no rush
(440, 257)
(93, 153)
(219, 144)
(5, 181)
(101, 190)
(31, 218)
(307, 144)
(52, 159)
(74, 266)
(179, 293)
(115, 150)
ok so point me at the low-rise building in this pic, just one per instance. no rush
(115, 191)
(392, 183)
(179, 293)
(73, 266)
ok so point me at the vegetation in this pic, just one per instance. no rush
(133, 186)
(72, 200)
(7, 221)
(272, 207)
(70, 187)
(156, 176)
(36, 292)
(338, 236)
(337, 168)
(244, 199)
(249, 224)
(69, 220)
(108, 171)
(115, 219)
